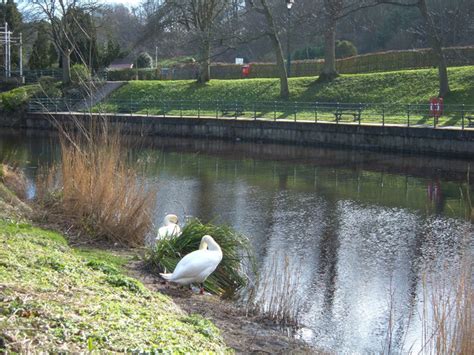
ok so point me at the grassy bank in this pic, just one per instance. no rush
(57, 298)
(407, 87)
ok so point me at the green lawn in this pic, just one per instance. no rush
(259, 97)
(407, 87)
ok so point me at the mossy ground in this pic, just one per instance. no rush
(56, 298)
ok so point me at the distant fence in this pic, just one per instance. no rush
(460, 116)
(372, 62)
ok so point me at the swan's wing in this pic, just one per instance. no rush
(193, 264)
(162, 233)
(168, 231)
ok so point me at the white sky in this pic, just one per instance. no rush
(125, 2)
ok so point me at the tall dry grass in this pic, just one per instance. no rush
(274, 294)
(447, 313)
(95, 189)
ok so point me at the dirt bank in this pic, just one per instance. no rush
(243, 333)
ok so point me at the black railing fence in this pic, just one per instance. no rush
(458, 116)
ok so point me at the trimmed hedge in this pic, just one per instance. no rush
(367, 63)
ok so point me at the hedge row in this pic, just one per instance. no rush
(373, 62)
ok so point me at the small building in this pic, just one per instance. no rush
(121, 64)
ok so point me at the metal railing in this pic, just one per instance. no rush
(458, 116)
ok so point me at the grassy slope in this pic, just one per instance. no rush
(53, 297)
(407, 86)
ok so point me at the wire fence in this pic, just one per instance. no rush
(455, 116)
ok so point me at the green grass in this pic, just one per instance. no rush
(406, 86)
(398, 89)
(55, 298)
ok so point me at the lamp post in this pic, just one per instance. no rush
(289, 5)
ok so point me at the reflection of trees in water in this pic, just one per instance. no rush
(328, 247)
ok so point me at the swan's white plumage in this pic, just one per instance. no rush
(197, 265)
(170, 228)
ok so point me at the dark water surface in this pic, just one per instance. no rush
(359, 230)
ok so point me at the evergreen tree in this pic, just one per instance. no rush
(9, 13)
(40, 57)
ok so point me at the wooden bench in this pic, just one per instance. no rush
(470, 120)
(237, 109)
(351, 110)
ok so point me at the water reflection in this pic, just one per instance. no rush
(360, 228)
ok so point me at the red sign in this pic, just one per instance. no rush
(245, 71)
(436, 106)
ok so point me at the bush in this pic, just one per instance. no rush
(49, 86)
(345, 49)
(80, 75)
(144, 60)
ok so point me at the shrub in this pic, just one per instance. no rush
(228, 277)
(144, 60)
(80, 76)
(49, 86)
(345, 49)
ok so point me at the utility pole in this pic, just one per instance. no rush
(5, 51)
(6, 40)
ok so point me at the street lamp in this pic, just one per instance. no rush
(289, 5)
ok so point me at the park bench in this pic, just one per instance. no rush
(354, 110)
(470, 120)
(231, 109)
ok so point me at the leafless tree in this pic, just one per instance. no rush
(271, 31)
(60, 14)
(203, 18)
(434, 38)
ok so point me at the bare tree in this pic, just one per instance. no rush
(334, 11)
(434, 39)
(262, 7)
(203, 18)
(60, 14)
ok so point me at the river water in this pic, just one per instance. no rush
(361, 232)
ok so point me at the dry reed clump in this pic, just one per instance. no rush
(447, 314)
(95, 189)
(14, 179)
(274, 293)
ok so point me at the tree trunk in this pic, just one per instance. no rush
(273, 34)
(329, 71)
(205, 61)
(284, 89)
(66, 64)
(435, 42)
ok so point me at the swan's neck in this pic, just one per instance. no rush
(210, 245)
(203, 245)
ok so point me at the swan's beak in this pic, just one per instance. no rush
(173, 219)
(203, 245)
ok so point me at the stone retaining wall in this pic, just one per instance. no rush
(453, 142)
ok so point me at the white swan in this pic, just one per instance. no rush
(197, 265)
(170, 228)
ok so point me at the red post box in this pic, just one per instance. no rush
(246, 71)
